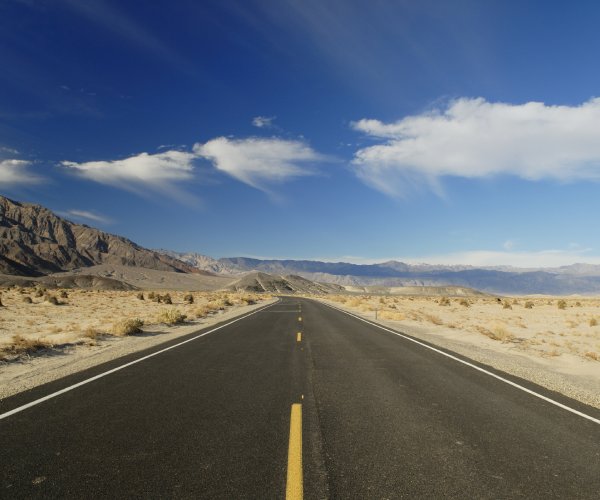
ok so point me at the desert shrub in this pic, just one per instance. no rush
(561, 304)
(52, 300)
(577, 304)
(201, 312)
(189, 298)
(1, 304)
(27, 299)
(227, 302)
(63, 294)
(248, 300)
(464, 302)
(433, 319)
(127, 327)
(393, 315)
(528, 304)
(171, 317)
(444, 301)
(23, 345)
(506, 305)
(593, 322)
(151, 295)
(40, 292)
(499, 332)
(140, 296)
(592, 355)
(166, 298)
(91, 333)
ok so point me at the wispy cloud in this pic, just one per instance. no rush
(263, 121)
(159, 172)
(115, 20)
(17, 172)
(259, 162)
(473, 138)
(87, 215)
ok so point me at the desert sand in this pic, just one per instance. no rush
(64, 331)
(551, 341)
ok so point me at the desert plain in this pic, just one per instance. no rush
(551, 341)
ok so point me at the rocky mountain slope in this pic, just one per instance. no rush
(34, 241)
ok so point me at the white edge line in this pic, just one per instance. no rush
(483, 370)
(113, 370)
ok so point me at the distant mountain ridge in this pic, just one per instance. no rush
(565, 280)
(34, 241)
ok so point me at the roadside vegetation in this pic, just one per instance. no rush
(544, 326)
(35, 320)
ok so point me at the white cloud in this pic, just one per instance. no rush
(13, 172)
(257, 161)
(263, 121)
(159, 172)
(473, 138)
(86, 214)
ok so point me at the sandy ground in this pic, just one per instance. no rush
(83, 330)
(555, 347)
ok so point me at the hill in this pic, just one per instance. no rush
(34, 242)
(262, 282)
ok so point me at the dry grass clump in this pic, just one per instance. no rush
(21, 345)
(593, 322)
(140, 296)
(188, 298)
(171, 316)
(433, 319)
(392, 315)
(27, 299)
(506, 305)
(528, 304)
(502, 334)
(444, 301)
(51, 299)
(592, 355)
(91, 333)
(248, 299)
(127, 327)
(40, 292)
(561, 304)
(202, 312)
(464, 302)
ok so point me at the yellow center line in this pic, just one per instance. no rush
(294, 488)
(299, 318)
(299, 337)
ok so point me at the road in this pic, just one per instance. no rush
(382, 417)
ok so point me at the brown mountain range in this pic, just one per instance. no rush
(34, 241)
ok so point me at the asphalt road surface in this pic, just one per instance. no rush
(382, 417)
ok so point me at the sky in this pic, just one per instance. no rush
(447, 132)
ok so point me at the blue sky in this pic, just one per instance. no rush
(456, 132)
